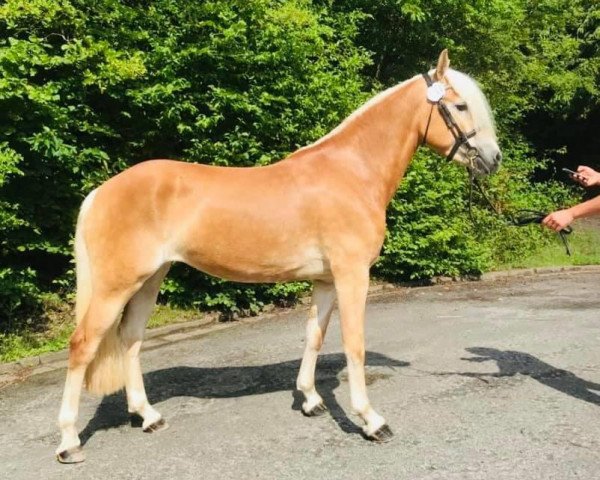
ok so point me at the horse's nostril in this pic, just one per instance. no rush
(498, 157)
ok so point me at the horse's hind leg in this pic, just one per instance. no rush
(323, 299)
(133, 325)
(98, 320)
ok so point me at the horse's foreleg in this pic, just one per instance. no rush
(352, 290)
(323, 299)
(134, 321)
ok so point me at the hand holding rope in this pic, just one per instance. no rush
(524, 216)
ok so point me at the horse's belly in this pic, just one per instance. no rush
(259, 265)
(313, 269)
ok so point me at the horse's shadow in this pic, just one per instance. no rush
(227, 382)
(511, 363)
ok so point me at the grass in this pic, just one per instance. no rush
(14, 346)
(166, 315)
(585, 248)
(55, 337)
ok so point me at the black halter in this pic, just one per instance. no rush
(460, 138)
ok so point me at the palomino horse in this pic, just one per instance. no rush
(317, 215)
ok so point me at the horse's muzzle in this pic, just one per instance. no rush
(486, 162)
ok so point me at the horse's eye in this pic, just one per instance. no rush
(461, 107)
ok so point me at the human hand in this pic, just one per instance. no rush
(586, 176)
(558, 220)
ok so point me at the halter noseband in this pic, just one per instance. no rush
(460, 138)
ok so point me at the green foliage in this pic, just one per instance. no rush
(429, 232)
(538, 60)
(90, 88)
(513, 194)
(47, 329)
(186, 287)
(437, 226)
(19, 295)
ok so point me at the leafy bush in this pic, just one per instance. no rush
(429, 232)
(90, 88)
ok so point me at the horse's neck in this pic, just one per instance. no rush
(379, 140)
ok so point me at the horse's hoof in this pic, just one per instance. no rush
(318, 410)
(72, 455)
(382, 435)
(157, 426)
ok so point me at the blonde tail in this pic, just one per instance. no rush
(106, 372)
(82, 263)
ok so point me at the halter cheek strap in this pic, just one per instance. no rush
(460, 138)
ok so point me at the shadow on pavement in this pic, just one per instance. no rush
(227, 382)
(511, 363)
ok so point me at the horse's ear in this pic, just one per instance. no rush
(442, 65)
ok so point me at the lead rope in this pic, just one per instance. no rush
(526, 217)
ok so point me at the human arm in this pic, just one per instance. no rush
(562, 218)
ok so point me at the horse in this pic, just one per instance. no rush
(317, 215)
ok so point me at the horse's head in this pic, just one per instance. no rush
(460, 123)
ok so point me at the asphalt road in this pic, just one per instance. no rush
(486, 380)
